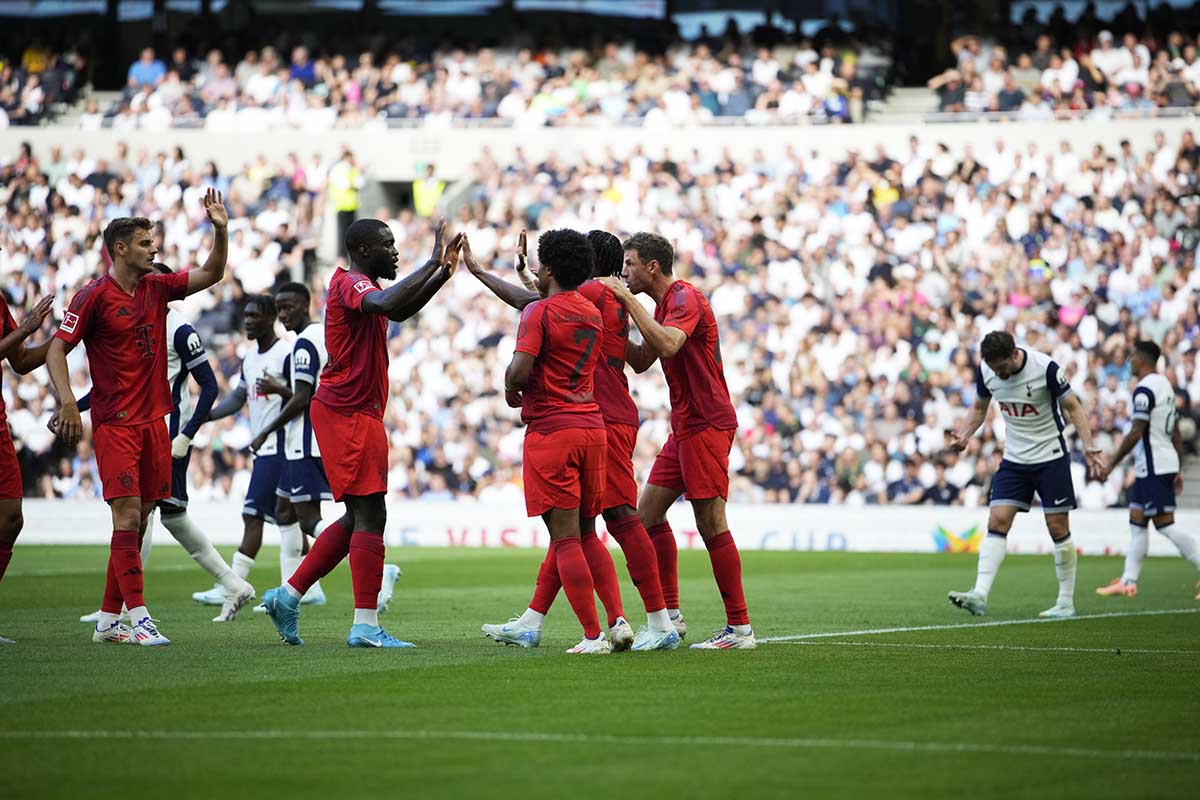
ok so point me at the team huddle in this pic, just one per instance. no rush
(316, 414)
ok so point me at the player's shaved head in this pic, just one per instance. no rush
(363, 233)
(568, 254)
(372, 248)
(609, 253)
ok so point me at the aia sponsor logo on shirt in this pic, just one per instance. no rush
(194, 345)
(1019, 409)
(69, 322)
(303, 359)
(363, 286)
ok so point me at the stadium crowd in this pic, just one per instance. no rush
(1068, 70)
(521, 86)
(851, 293)
(34, 85)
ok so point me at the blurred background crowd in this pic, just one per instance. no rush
(851, 293)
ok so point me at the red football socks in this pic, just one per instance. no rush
(663, 539)
(327, 552)
(577, 583)
(125, 566)
(727, 569)
(5, 557)
(604, 575)
(639, 559)
(548, 584)
(366, 567)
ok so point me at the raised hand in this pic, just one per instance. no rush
(438, 255)
(454, 251)
(469, 258)
(34, 319)
(214, 207)
(521, 250)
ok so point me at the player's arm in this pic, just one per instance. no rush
(1136, 431)
(232, 403)
(294, 407)
(212, 270)
(516, 296)
(21, 358)
(1078, 416)
(408, 296)
(206, 380)
(515, 378)
(663, 340)
(970, 424)
(639, 356)
(530, 335)
(70, 426)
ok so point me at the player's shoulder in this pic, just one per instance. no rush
(313, 333)
(1156, 382)
(593, 290)
(1037, 358)
(90, 290)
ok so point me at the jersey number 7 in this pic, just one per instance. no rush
(582, 335)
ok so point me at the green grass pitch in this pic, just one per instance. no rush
(1089, 708)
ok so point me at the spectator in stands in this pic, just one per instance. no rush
(146, 71)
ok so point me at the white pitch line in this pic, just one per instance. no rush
(916, 646)
(993, 624)
(607, 739)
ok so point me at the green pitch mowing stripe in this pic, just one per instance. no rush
(976, 711)
(598, 739)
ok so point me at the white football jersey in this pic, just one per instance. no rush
(305, 363)
(265, 407)
(184, 354)
(1154, 403)
(1033, 422)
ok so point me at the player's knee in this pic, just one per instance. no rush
(619, 512)
(1163, 520)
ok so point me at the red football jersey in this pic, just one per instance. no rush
(355, 378)
(695, 375)
(7, 326)
(612, 386)
(126, 340)
(562, 333)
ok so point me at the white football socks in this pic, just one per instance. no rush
(198, 546)
(366, 616)
(1135, 556)
(137, 614)
(1183, 542)
(991, 556)
(1065, 560)
(532, 619)
(291, 545)
(242, 564)
(659, 621)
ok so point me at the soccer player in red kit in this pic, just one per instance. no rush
(121, 320)
(551, 379)
(347, 417)
(695, 459)
(620, 487)
(22, 359)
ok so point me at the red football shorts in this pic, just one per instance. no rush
(10, 470)
(564, 469)
(620, 487)
(134, 460)
(697, 465)
(354, 450)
